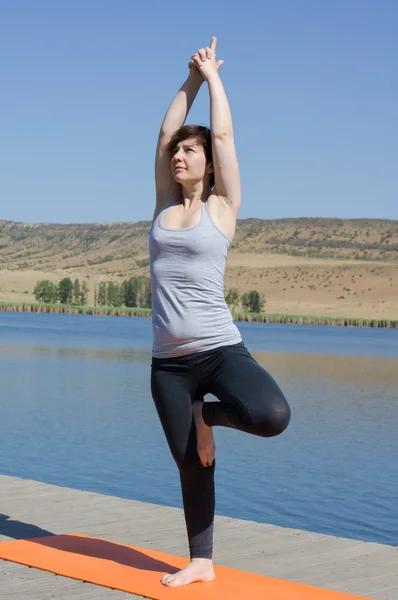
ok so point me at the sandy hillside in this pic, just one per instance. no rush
(314, 267)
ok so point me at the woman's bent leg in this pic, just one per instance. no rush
(251, 400)
(172, 395)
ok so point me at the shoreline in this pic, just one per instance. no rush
(247, 317)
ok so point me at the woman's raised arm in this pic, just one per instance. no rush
(225, 161)
(167, 189)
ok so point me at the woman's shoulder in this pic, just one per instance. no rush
(165, 203)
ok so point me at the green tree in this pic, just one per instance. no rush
(136, 292)
(252, 301)
(245, 302)
(45, 291)
(101, 296)
(232, 298)
(38, 291)
(144, 296)
(83, 294)
(148, 294)
(129, 291)
(76, 291)
(113, 294)
(256, 301)
(65, 291)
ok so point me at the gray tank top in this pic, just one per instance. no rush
(189, 313)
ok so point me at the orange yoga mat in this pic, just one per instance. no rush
(138, 571)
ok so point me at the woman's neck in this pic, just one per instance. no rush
(194, 197)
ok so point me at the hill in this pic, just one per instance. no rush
(318, 266)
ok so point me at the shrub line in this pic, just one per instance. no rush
(241, 316)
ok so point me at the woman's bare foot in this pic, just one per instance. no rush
(199, 569)
(204, 434)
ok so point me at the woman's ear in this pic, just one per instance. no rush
(209, 167)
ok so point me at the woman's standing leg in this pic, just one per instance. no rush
(172, 391)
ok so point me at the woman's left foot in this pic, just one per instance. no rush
(204, 435)
(199, 569)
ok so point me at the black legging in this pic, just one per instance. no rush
(251, 401)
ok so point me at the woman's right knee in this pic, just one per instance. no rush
(280, 418)
(272, 414)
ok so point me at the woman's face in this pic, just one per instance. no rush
(188, 162)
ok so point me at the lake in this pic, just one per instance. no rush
(76, 411)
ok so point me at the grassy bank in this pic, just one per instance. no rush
(146, 312)
(73, 309)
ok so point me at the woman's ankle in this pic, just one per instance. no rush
(201, 559)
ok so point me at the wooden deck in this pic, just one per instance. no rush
(30, 509)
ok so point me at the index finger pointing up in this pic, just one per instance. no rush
(213, 43)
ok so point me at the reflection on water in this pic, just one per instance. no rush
(358, 370)
(354, 369)
(143, 356)
(77, 411)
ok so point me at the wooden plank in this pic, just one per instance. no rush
(346, 565)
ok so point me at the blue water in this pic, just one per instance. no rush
(76, 410)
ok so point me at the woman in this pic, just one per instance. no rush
(197, 349)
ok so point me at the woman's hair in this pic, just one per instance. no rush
(203, 137)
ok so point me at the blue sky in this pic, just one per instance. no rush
(85, 85)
